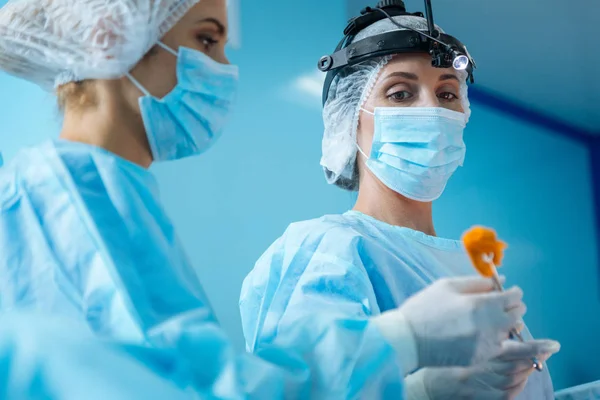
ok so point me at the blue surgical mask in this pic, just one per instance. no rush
(190, 119)
(415, 150)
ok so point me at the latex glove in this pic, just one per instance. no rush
(501, 378)
(454, 322)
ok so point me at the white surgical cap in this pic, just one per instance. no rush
(52, 42)
(348, 93)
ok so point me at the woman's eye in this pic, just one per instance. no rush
(400, 96)
(447, 96)
(207, 41)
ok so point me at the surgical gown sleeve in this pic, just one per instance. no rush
(83, 235)
(310, 293)
(48, 358)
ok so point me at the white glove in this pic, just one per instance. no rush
(501, 378)
(454, 322)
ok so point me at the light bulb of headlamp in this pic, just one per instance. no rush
(461, 62)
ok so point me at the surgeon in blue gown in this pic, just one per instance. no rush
(82, 229)
(394, 133)
(84, 236)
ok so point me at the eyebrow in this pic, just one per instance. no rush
(447, 77)
(407, 75)
(219, 24)
(414, 77)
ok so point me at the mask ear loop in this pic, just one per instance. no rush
(356, 143)
(367, 111)
(361, 152)
(136, 83)
(167, 48)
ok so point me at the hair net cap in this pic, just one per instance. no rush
(51, 42)
(348, 93)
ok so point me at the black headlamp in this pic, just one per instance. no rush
(445, 50)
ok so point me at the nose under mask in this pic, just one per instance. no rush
(416, 150)
(190, 119)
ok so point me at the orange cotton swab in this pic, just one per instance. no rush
(486, 253)
(484, 249)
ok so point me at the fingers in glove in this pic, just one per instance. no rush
(469, 285)
(512, 367)
(513, 350)
(510, 298)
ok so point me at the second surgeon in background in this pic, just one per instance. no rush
(394, 133)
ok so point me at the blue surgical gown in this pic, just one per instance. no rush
(83, 235)
(352, 266)
(588, 391)
(48, 358)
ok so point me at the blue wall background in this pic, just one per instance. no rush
(535, 189)
(533, 186)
